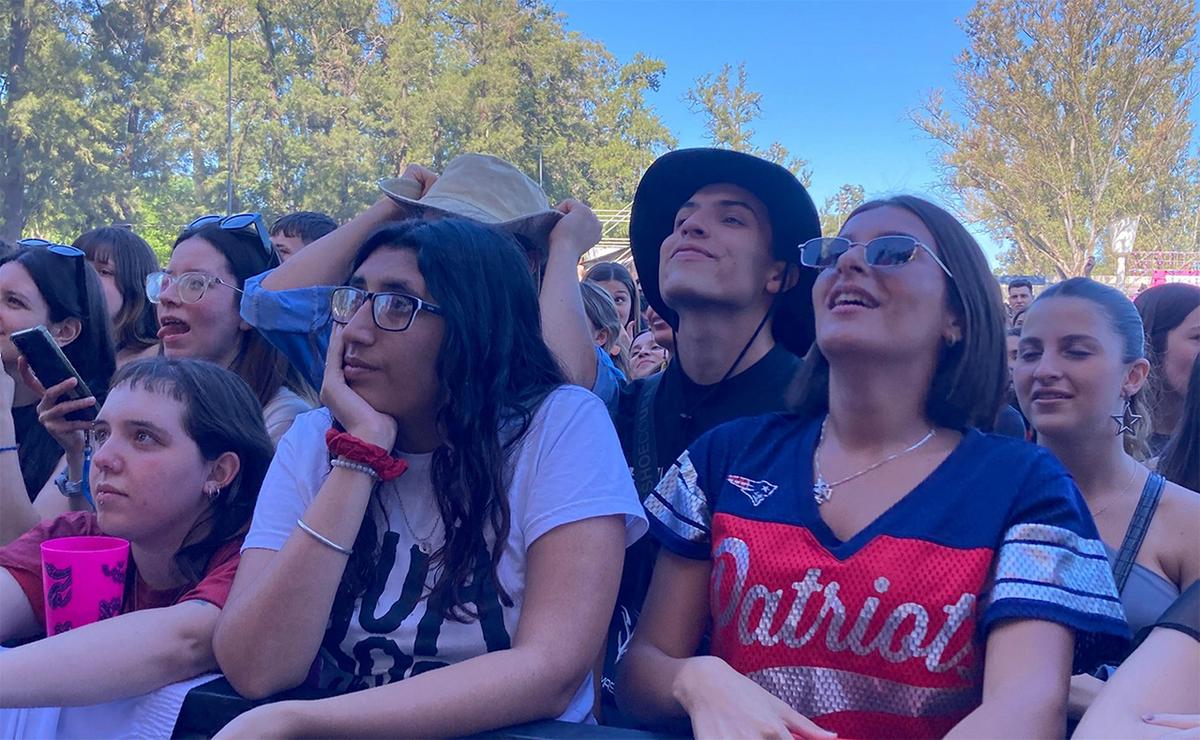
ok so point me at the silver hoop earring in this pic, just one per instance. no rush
(1127, 421)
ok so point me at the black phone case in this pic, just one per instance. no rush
(52, 367)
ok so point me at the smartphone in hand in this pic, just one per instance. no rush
(52, 367)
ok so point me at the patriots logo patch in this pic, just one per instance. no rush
(755, 490)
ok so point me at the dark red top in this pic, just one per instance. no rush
(22, 558)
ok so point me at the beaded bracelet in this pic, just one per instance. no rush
(322, 538)
(344, 444)
(341, 462)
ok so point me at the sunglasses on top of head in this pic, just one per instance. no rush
(240, 222)
(63, 250)
(884, 251)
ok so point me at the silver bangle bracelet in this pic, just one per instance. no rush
(322, 538)
(339, 462)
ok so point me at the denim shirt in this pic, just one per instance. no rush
(297, 323)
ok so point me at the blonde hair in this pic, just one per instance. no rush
(602, 314)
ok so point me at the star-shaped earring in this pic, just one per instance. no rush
(1126, 421)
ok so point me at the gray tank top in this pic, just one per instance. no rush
(1145, 595)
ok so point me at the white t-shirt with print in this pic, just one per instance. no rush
(569, 467)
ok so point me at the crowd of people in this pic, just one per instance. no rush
(780, 484)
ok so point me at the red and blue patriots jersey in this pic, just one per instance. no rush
(882, 635)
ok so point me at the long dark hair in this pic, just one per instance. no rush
(493, 372)
(1126, 323)
(969, 382)
(1180, 462)
(262, 366)
(71, 289)
(135, 327)
(603, 271)
(220, 414)
(1163, 308)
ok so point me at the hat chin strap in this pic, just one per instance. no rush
(687, 414)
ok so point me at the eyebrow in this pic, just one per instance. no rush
(17, 294)
(397, 286)
(143, 424)
(722, 203)
(885, 233)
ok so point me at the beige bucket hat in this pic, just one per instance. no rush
(485, 189)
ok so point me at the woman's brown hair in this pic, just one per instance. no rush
(969, 382)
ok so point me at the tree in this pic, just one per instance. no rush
(1074, 115)
(729, 108)
(838, 206)
(115, 110)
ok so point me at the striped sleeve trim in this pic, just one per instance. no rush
(1055, 566)
(680, 505)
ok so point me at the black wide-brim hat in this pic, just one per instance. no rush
(676, 176)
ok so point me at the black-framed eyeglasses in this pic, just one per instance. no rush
(189, 286)
(391, 311)
(884, 251)
(239, 222)
(65, 250)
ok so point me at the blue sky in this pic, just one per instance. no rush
(838, 77)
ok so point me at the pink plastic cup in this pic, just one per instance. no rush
(83, 580)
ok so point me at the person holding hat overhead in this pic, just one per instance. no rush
(290, 304)
(714, 235)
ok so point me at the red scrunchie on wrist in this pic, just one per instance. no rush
(344, 444)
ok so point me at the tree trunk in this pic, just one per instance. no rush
(12, 180)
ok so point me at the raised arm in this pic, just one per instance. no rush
(327, 260)
(571, 586)
(124, 656)
(564, 320)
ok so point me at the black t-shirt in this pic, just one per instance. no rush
(37, 450)
(682, 411)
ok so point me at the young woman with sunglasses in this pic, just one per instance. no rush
(53, 286)
(1080, 375)
(877, 566)
(454, 507)
(197, 298)
(180, 453)
(122, 260)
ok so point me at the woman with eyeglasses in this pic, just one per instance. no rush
(53, 286)
(197, 298)
(123, 260)
(1080, 376)
(872, 564)
(444, 539)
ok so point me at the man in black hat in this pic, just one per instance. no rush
(715, 236)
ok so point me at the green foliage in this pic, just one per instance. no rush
(838, 206)
(729, 107)
(116, 111)
(1073, 116)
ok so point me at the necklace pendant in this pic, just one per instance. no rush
(425, 548)
(822, 491)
